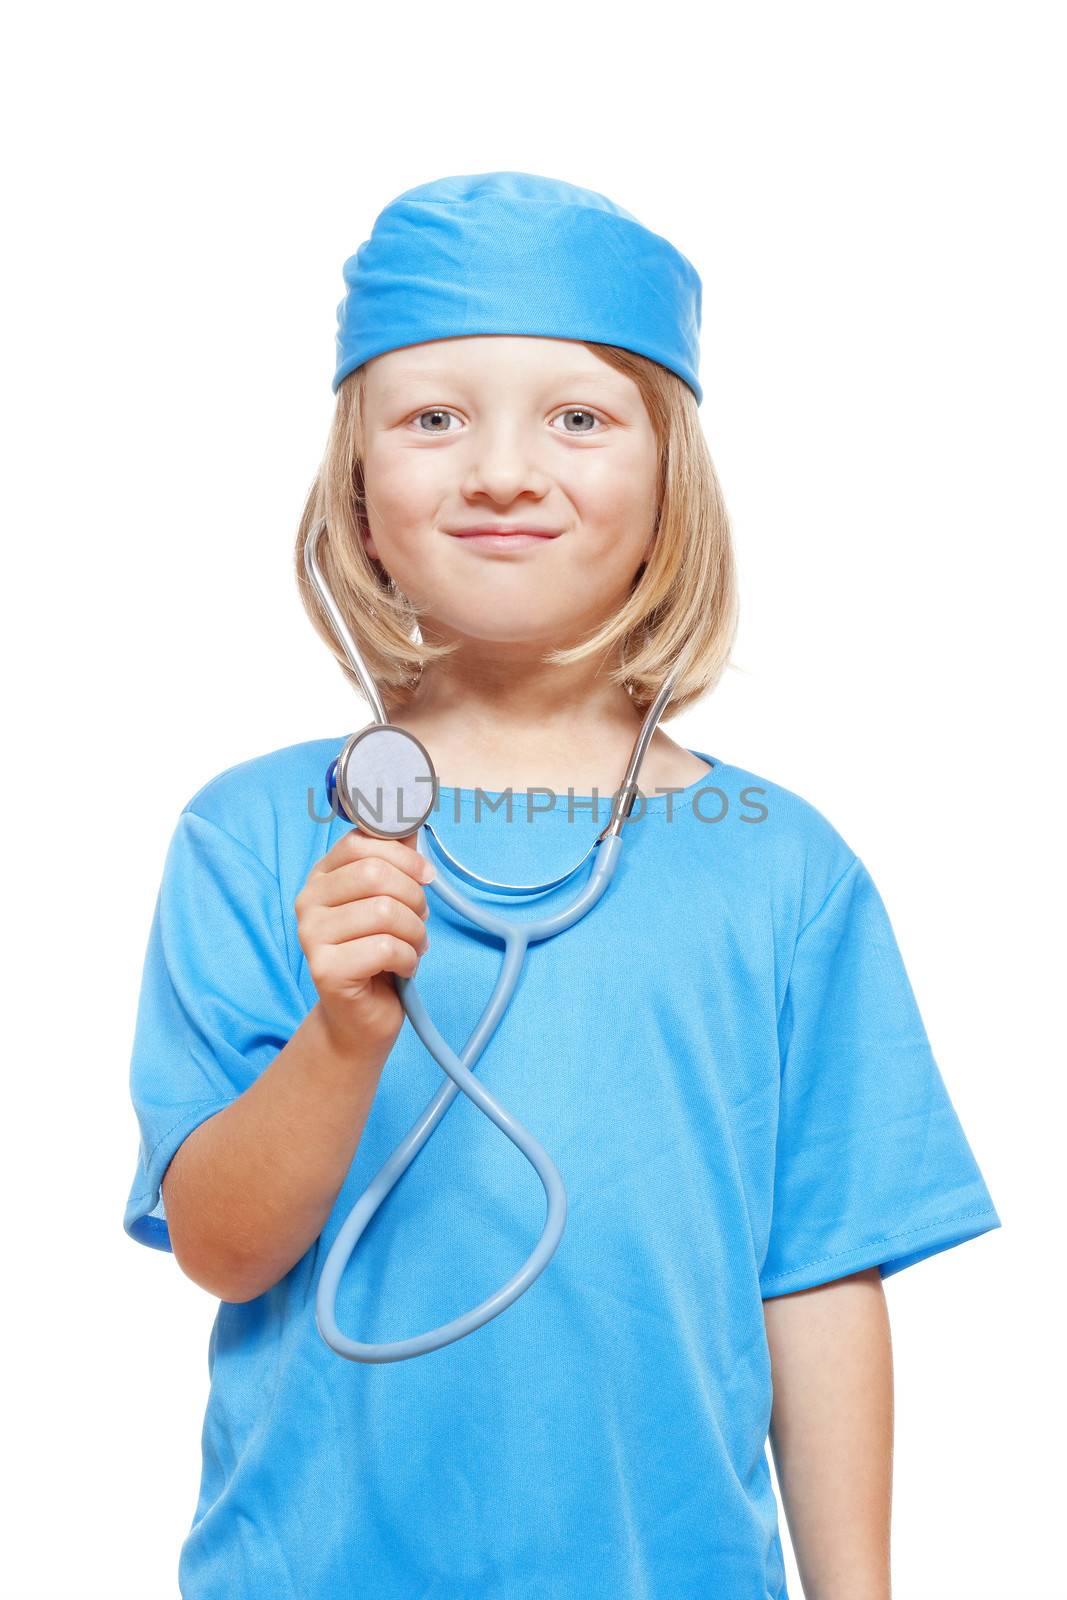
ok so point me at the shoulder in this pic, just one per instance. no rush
(273, 804)
(794, 851)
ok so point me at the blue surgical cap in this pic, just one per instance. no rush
(513, 253)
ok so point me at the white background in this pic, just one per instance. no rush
(873, 200)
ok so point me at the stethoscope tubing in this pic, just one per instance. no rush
(517, 938)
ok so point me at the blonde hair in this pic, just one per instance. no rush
(682, 606)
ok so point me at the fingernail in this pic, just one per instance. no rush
(429, 871)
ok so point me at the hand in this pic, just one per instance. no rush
(361, 915)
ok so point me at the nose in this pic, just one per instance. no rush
(503, 464)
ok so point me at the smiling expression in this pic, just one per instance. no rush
(507, 432)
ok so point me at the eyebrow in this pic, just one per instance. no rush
(449, 375)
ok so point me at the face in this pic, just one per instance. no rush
(519, 432)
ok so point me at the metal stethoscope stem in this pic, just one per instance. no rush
(516, 937)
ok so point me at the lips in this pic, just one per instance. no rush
(499, 539)
(501, 532)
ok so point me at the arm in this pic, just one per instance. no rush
(832, 1432)
(249, 1190)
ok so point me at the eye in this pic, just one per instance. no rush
(585, 416)
(438, 413)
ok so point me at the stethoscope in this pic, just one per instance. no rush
(384, 782)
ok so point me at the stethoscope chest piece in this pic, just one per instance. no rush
(383, 781)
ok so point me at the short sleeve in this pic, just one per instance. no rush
(872, 1167)
(218, 1001)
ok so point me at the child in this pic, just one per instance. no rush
(724, 1058)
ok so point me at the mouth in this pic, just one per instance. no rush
(497, 536)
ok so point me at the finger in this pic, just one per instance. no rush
(355, 845)
(361, 919)
(359, 960)
(363, 879)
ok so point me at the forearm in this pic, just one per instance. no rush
(250, 1189)
(832, 1433)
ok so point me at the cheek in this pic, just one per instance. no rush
(618, 483)
(616, 501)
(400, 486)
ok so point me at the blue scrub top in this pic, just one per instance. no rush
(725, 1061)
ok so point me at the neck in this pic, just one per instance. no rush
(497, 723)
